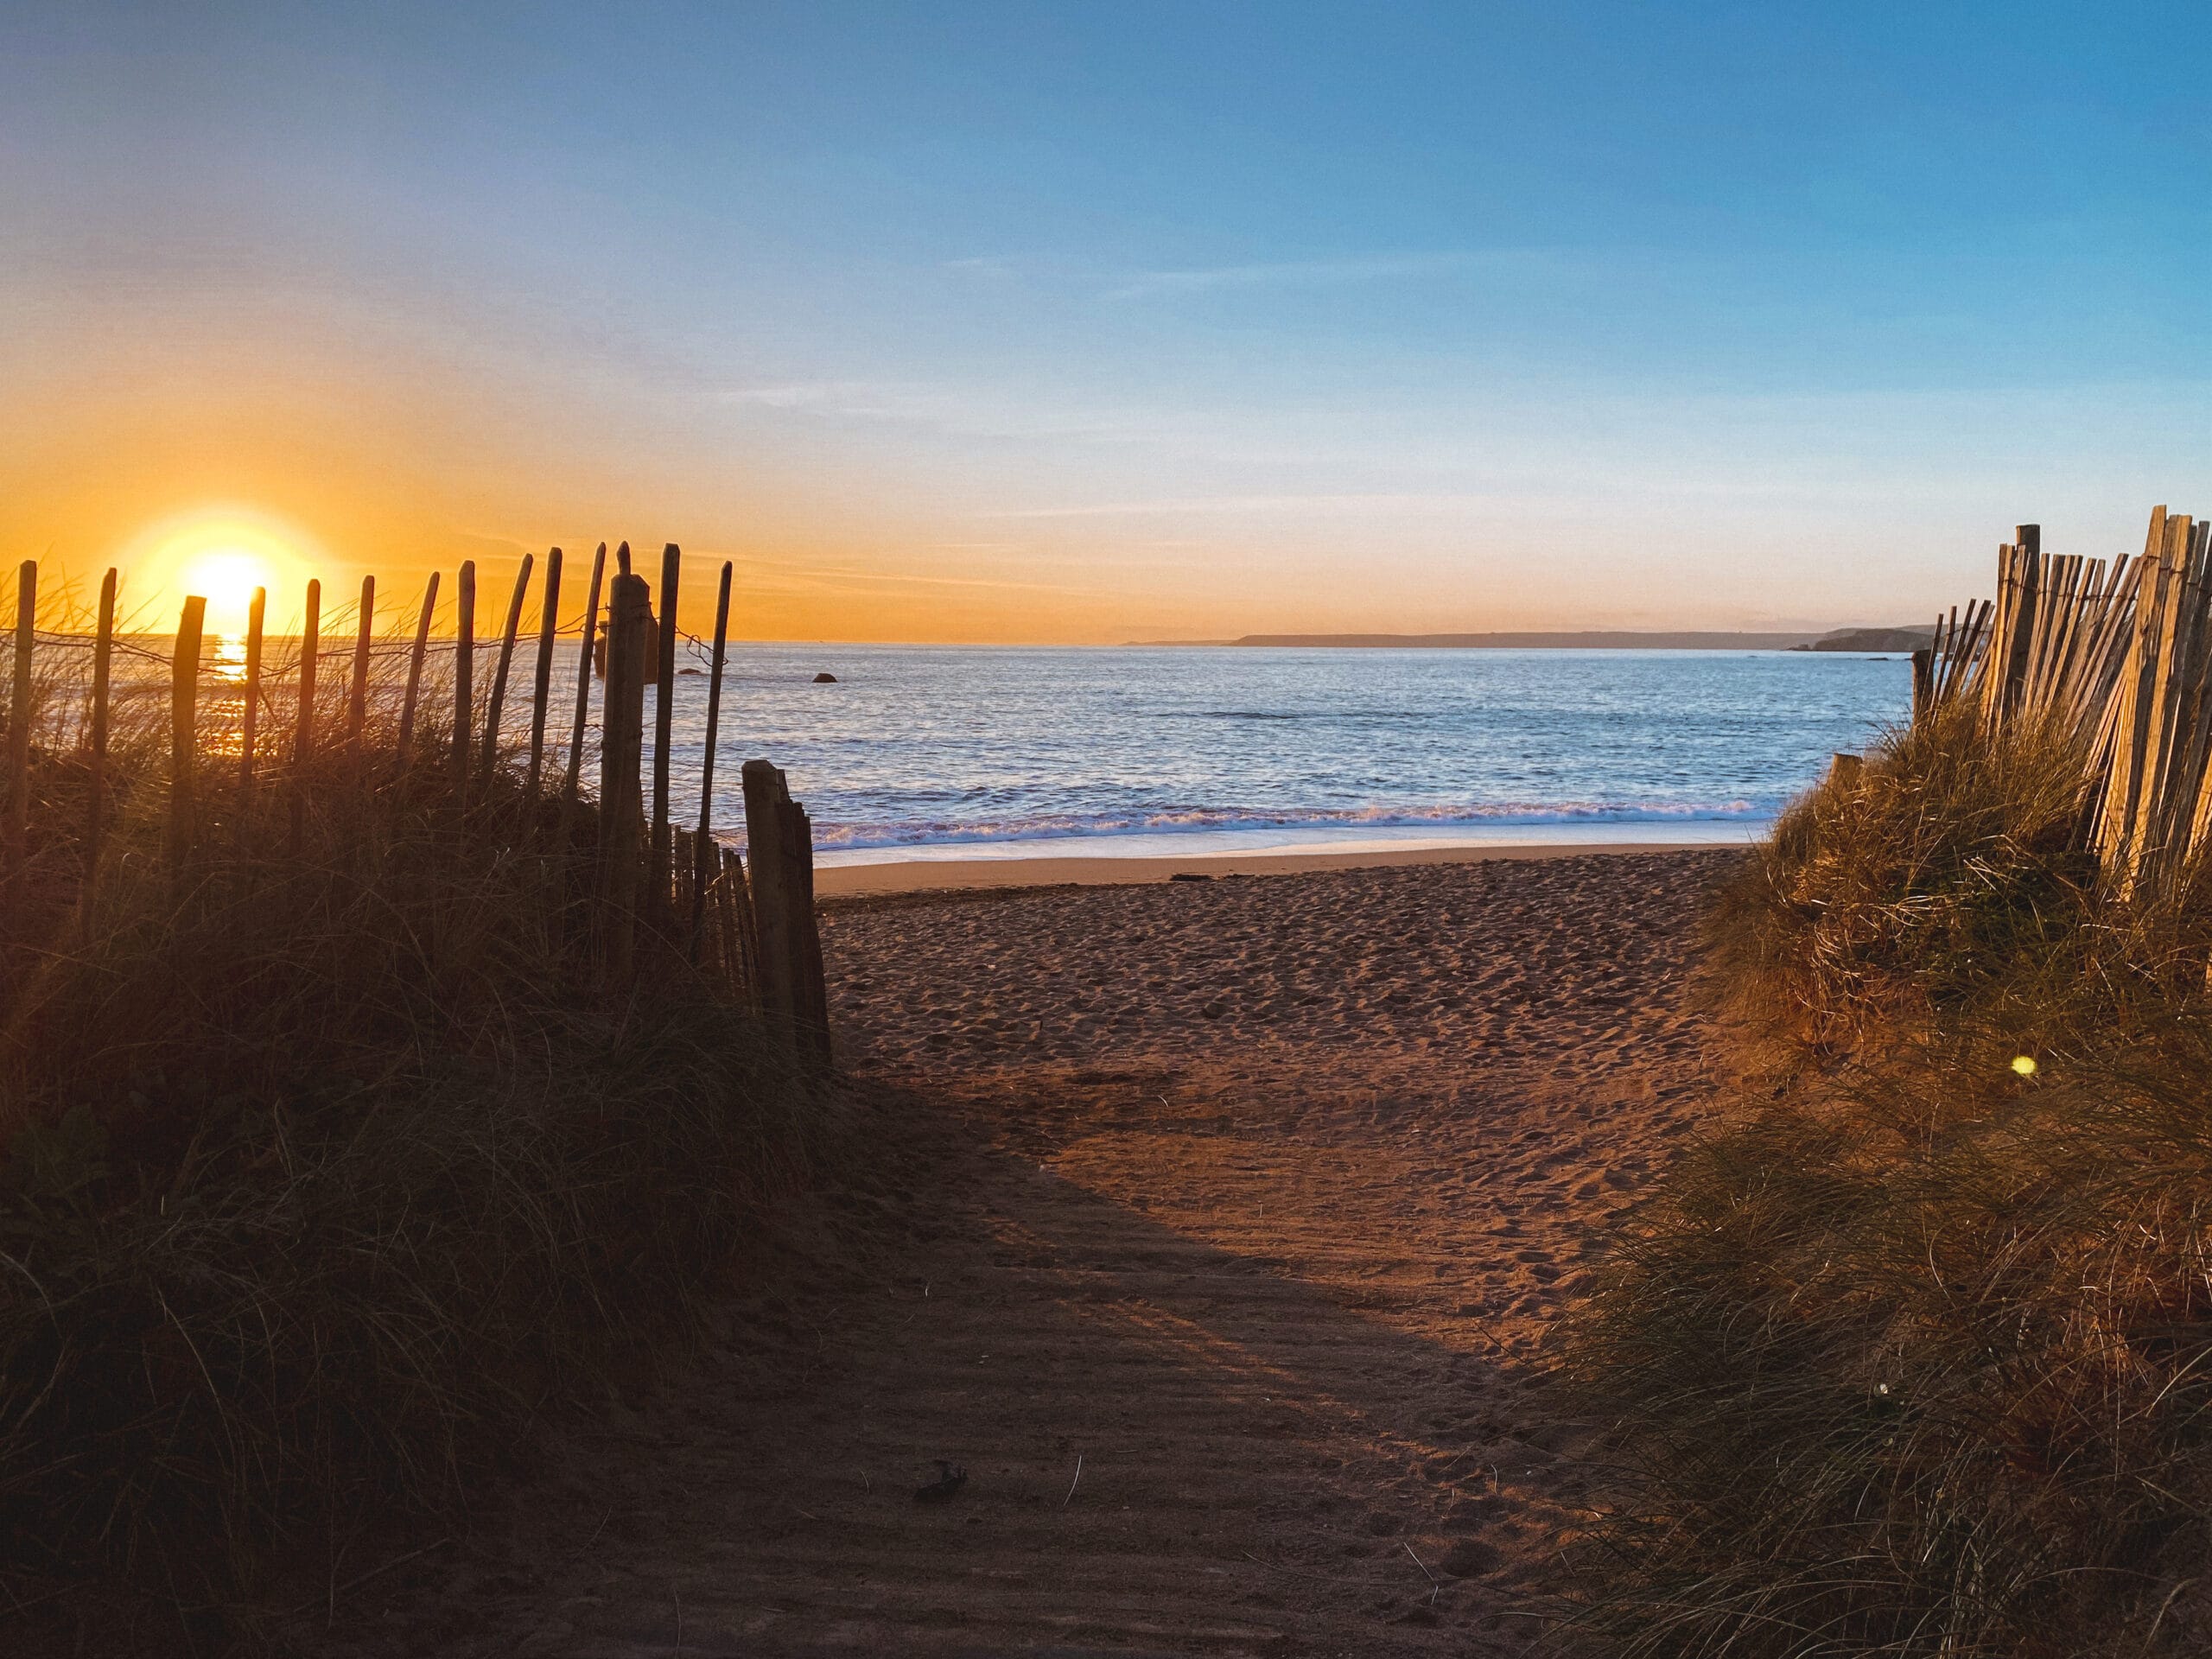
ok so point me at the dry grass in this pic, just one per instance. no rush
(329, 1161)
(1913, 1354)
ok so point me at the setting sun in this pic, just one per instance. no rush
(223, 556)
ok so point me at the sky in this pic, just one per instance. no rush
(1101, 323)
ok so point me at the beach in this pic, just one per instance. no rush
(1219, 1232)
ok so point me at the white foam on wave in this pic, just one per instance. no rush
(1187, 834)
(1221, 820)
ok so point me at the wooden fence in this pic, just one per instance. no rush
(2115, 658)
(659, 893)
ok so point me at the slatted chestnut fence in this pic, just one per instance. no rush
(2114, 658)
(261, 737)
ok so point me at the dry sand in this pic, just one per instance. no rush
(1217, 1229)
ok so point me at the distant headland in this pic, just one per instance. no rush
(1598, 639)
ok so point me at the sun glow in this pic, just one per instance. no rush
(222, 556)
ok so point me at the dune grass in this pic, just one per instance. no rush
(1912, 1354)
(330, 1159)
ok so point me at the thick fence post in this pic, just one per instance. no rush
(621, 805)
(19, 711)
(779, 849)
(767, 875)
(184, 728)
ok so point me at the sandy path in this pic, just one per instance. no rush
(1257, 1195)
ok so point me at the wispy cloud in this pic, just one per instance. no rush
(1340, 501)
(1329, 273)
(957, 411)
(994, 265)
(800, 577)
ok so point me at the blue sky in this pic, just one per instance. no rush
(1095, 322)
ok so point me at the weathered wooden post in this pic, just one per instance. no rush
(464, 677)
(542, 675)
(2028, 598)
(1923, 678)
(256, 617)
(415, 671)
(357, 694)
(500, 674)
(19, 711)
(184, 724)
(671, 562)
(780, 848)
(702, 847)
(621, 805)
(768, 874)
(96, 805)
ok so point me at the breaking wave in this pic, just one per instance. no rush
(1217, 820)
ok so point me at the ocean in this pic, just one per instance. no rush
(920, 751)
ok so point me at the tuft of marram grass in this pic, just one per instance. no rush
(328, 1162)
(1911, 1355)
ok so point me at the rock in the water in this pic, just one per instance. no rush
(825, 679)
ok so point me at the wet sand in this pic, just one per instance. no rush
(924, 876)
(1219, 1231)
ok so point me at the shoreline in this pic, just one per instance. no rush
(846, 881)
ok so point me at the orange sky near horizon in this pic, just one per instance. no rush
(397, 458)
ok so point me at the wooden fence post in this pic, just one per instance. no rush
(2028, 601)
(310, 647)
(303, 735)
(621, 742)
(184, 728)
(583, 685)
(1922, 679)
(19, 711)
(356, 694)
(541, 674)
(768, 873)
(464, 679)
(415, 671)
(671, 562)
(779, 851)
(702, 848)
(257, 616)
(500, 674)
(96, 805)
